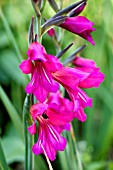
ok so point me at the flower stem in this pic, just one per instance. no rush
(79, 161)
(29, 140)
(39, 28)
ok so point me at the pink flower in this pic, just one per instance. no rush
(95, 77)
(51, 32)
(58, 99)
(40, 65)
(79, 25)
(68, 105)
(52, 120)
(70, 78)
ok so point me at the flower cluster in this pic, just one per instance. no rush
(52, 111)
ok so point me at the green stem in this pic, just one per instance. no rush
(58, 48)
(79, 161)
(39, 28)
(26, 142)
(29, 139)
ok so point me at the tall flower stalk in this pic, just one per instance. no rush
(52, 113)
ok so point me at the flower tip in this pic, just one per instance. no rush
(32, 129)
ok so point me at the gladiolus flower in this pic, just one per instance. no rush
(95, 77)
(70, 78)
(52, 120)
(40, 65)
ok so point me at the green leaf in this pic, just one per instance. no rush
(10, 34)
(9, 66)
(13, 149)
(13, 114)
(53, 5)
(3, 163)
(40, 164)
(13, 145)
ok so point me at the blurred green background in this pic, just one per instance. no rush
(95, 136)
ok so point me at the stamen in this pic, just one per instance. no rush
(48, 161)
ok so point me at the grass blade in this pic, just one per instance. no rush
(14, 116)
(10, 34)
(3, 163)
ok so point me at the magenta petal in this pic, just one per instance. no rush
(51, 32)
(66, 77)
(56, 140)
(81, 26)
(63, 127)
(38, 109)
(53, 64)
(41, 82)
(26, 67)
(80, 115)
(94, 79)
(56, 98)
(67, 126)
(50, 151)
(59, 117)
(32, 129)
(37, 149)
(83, 62)
(41, 94)
(84, 98)
(36, 52)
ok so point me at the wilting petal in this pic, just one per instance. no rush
(84, 62)
(32, 129)
(81, 26)
(26, 67)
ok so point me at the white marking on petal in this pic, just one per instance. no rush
(82, 97)
(53, 133)
(46, 75)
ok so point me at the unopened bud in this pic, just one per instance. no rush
(51, 32)
(76, 11)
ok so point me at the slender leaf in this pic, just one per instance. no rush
(10, 34)
(14, 116)
(3, 162)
